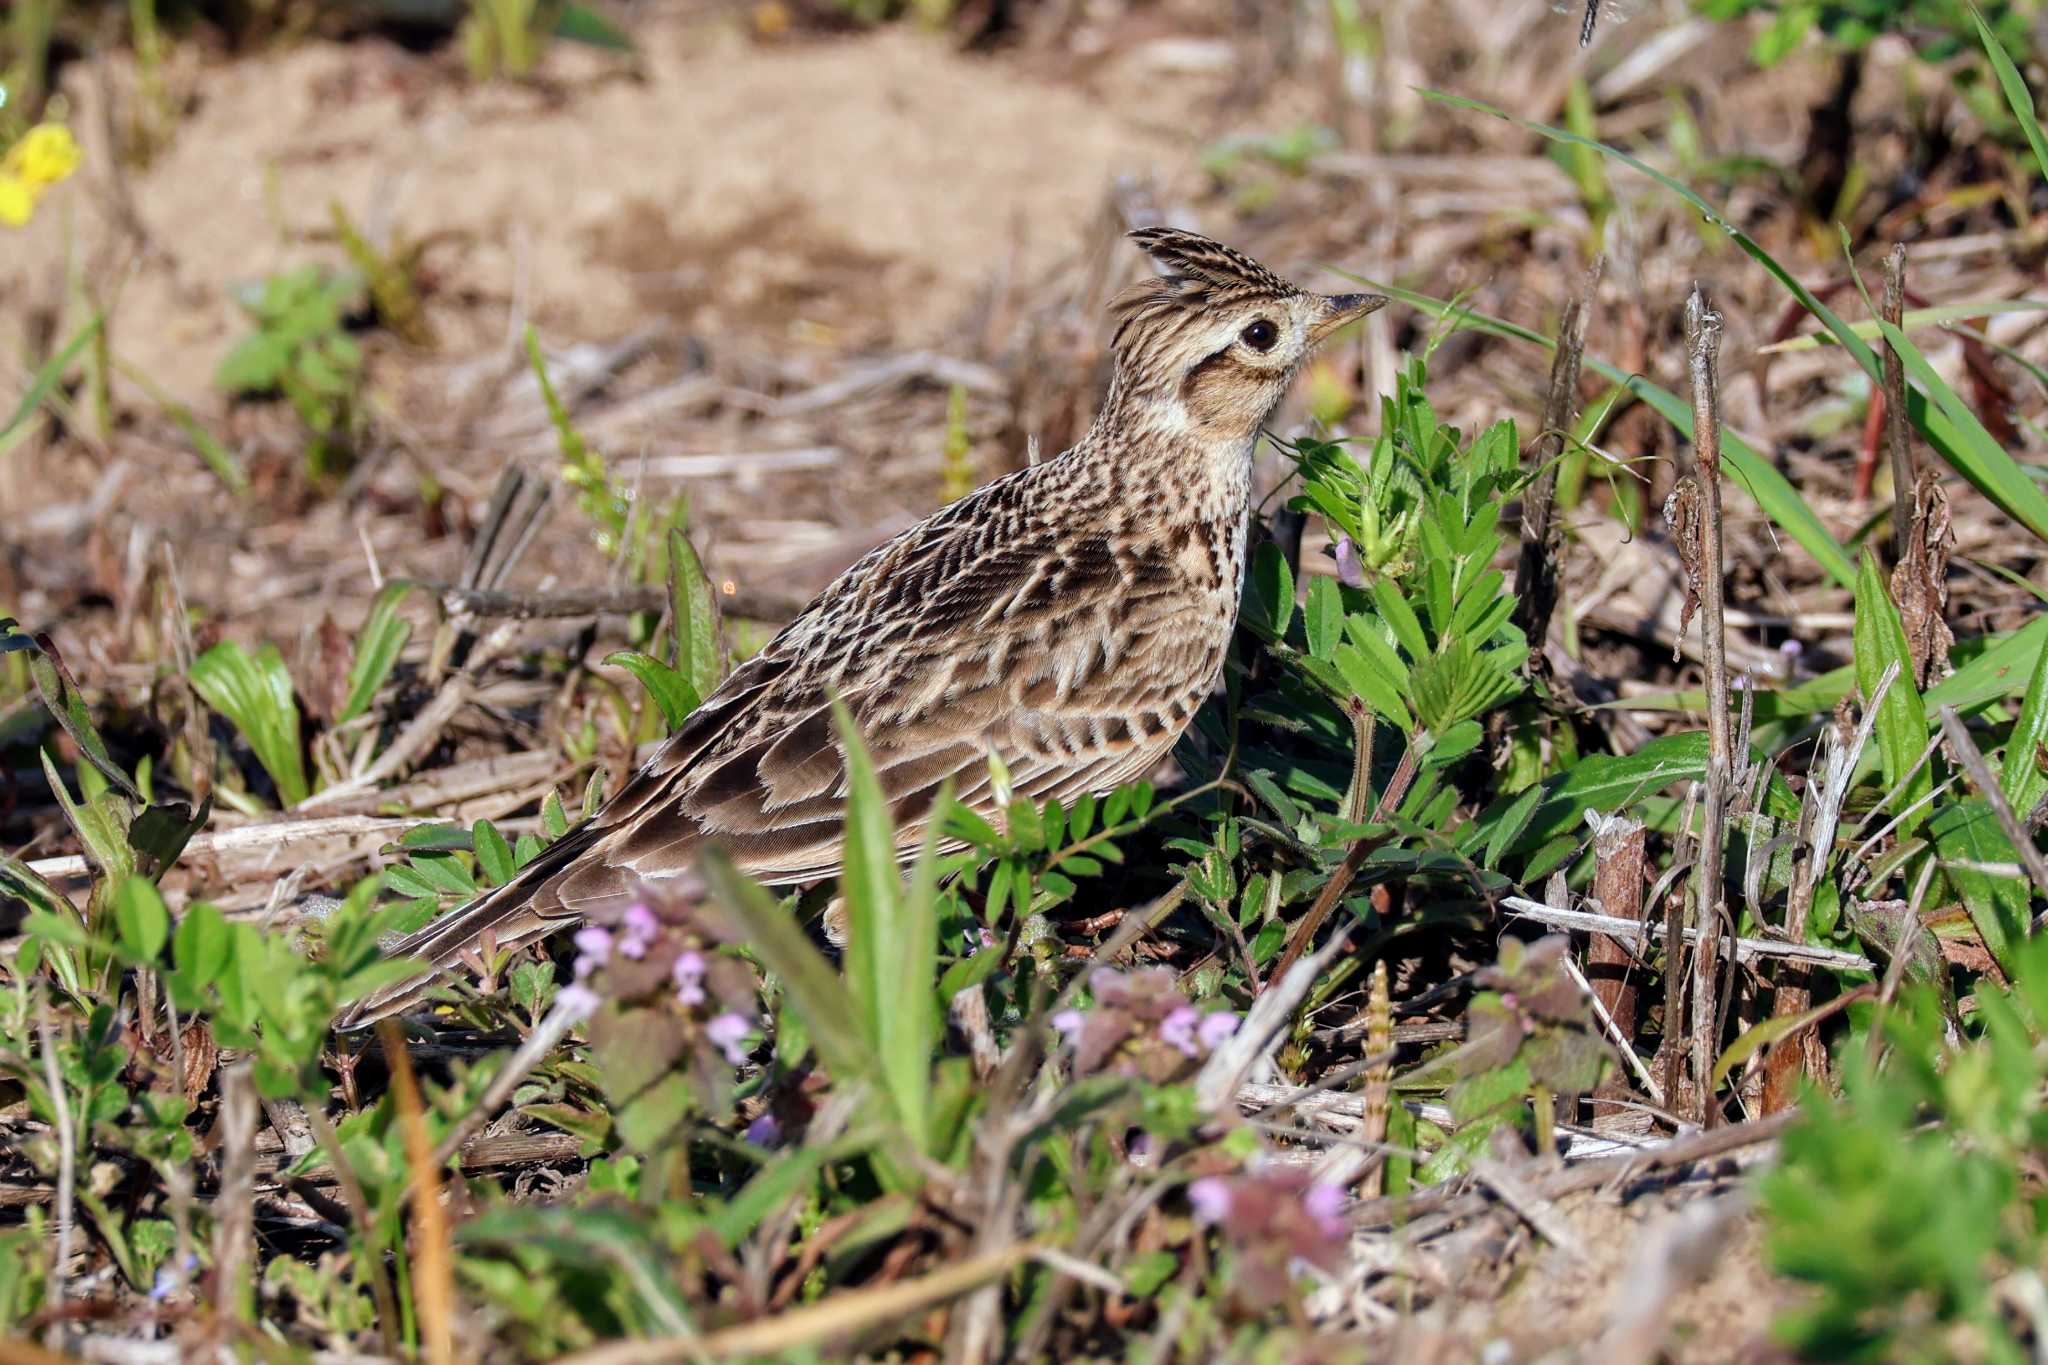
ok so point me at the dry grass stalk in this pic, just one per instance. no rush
(1703, 348)
(1920, 582)
(234, 1235)
(1619, 843)
(1536, 570)
(1897, 432)
(436, 1284)
(1379, 1044)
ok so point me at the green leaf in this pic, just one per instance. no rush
(2016, 93)
(98, 821)
(2021, 778)
(553, 818)
(1400, 617)
(1761, 1035)
(1880, 641)
(1323, 617)
(378, 643)
(1602, 782)
(695, 610)
(1967, 837)
(581, 24)
(819, 996)
(493, 854)
(255, 694)
(1967, 446)
(891, 937)
(1780, 501)
(141, 919)
(46, 379)
(64, 702)
(671, 690)
(1272, 589)
(201, 947)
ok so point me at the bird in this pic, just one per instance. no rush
(1068, 618)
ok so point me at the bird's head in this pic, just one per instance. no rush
(1214, 342)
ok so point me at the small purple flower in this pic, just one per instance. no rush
(1214, 1028)
(1069, 1023)
(728, 1031)
(1350, 572)
(577, 1002)
(641, 927)
(1211, 1198)
(1325, 1203)
(689, 975)
(595, 943)
(764, 1131)
(1792, 649)
(977, 939)
(1177, 1030)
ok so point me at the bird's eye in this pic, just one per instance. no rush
(1261, 335)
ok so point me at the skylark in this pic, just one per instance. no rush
(1069, 618)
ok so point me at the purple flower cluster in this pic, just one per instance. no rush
(1279, 1222)
(635, 955)
(1140, 1021)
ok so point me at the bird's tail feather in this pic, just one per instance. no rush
(518, 913)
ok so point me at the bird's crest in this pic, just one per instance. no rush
(1201, 274)
(1194, 263)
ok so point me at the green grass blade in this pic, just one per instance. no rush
(378, 643)
(773, 935)
(695, 611)
(45, 380)
(255, 694)
(1939, 424)
(891, 943)
(1880, 642)
(2015, 86)
(1827, 316)
(1971, 449)
(1775, 494)
(2021, 777)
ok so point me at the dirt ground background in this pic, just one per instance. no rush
(762, 254)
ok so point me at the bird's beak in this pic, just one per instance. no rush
(1340, 310)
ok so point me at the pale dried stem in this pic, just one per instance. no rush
(67, 1175)
(234, 1243)
(1536, 572)
(1703, 347)
(1897, 431)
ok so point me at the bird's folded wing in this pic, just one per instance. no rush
(1068, 661)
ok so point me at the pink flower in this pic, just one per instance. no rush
(595, 943)
(1069, 1023)
(1214, 1029)
(1210, 1197)
(1350, 572)
(689, 975)
(1325, 1204)
(641, 927)
(728, 1031)
(577, 1002)
(1177, 1030)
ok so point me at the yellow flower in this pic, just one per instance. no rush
(17, 201)
(46, 154)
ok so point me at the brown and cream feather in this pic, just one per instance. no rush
(1069, 618)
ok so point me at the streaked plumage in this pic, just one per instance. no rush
(1070, 618)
